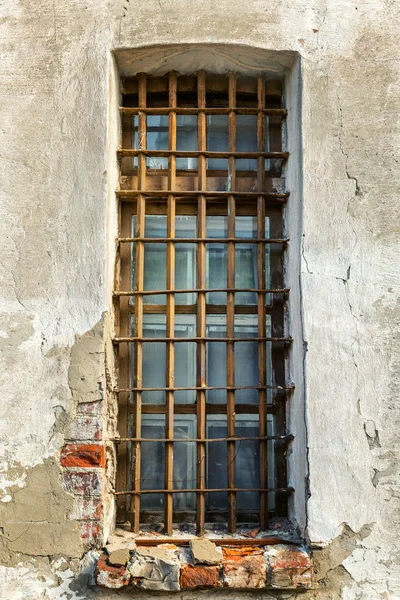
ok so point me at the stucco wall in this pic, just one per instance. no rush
(56, 180)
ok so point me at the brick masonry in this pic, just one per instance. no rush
(83, 462)
(281, 566)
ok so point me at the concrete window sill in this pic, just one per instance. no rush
(246, 564)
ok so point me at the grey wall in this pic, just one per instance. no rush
(57, 178)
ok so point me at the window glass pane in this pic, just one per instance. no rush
(217, 139)
(155, 258)
(247, 469)
(157, 139)
(246, 260)
(185, 359)
(271, 430)
(216, 358)
(218, 182)
(246, 358)
(217, 464)
(154, 358)
(185, 259)
(270, 376)
(184, 461)
(186, 139)
(152, 461)
(246, 141)
(216, 259)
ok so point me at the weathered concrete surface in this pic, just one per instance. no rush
(56, 278)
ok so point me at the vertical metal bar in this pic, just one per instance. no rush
(170, 354)
(201, 308)
(230, 305)
(262, 362)
(138, 322)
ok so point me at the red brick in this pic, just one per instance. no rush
(111, 576)
(248, 572)
(290, 567)
(85, 427)
(82, 483)
(237, 553)
(83, 455)
(86, 509)
(200, 576)
(90, 408)
(90, 531)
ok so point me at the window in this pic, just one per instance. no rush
(201, 302)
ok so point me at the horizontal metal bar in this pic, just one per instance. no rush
(196, 291)
(147, 240)
(129, 110)
(211, 409)
(197, 193)
(268, 541)
(120, 340)
(286, 438)
(196, 153)
(206, 388)
(288, 490)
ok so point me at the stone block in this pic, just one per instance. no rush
(205, 552)
(119, 557)
(82, 483)
(248, 572)
(199, 576)
(83, 455)
(120, 542)
(155, 569)
(110, 576)
(290, 566)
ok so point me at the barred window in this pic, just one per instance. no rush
(201, 301)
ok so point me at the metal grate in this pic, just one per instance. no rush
(237, 185)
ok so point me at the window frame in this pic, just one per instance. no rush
(123, 301)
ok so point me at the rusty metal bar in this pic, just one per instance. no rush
(128, 110)
(190, 290)
(286, 438)
(138, 320)
(257, 542)
(205, 193)
(123, 152)
(230, 305)
(202, 490)
(262, 361)
(227, 240)
(202, 339)
(170, 329)
(206, 387)
(201, 307)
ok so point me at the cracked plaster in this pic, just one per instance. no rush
(54, 178)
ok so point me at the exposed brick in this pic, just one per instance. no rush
(290, 567)
(90, 531)
(83, 455)
(200, 576)
(85, 427)
(111, 576)
(90, 408)
(239, 552)
(248, 572)
(82, 483)
(86, 509)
